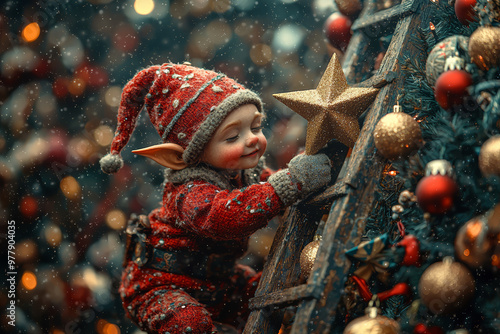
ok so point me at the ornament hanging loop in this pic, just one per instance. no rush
(373, 310)
(397, 107)
(454, 63)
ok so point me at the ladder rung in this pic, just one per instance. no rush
(281, 297)
(378, 80)
(385, 16)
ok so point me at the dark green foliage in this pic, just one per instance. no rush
(455, 136)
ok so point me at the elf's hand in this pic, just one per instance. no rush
(304, 175)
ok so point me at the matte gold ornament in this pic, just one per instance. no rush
(446, 287)
(308, 256)
(372, 322)
(349, 7)
(489, 157)
(472, 244)
(332, 109)
(484, 48)
(397, 135)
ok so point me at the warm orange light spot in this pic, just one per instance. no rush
(393, 172)
(473, 229)
(495, 261)
(432, 26)
(31, 32)
(28, 280)
(466, 252)
(70, 187)
(77, 86)
(101, 323)
(111, 329)
(57, 331)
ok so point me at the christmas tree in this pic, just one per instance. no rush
(429, 252)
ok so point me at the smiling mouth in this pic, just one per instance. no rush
(251, 154)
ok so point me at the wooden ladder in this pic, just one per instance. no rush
(351, 198)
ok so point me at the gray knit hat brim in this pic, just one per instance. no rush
(214, 119)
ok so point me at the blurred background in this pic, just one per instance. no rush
(63, 65)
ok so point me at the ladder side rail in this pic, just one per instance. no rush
(345, 225)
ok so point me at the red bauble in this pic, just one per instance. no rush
(423, 329)
(436, 193)
(464, 9)
(451, 88)
(338, 30)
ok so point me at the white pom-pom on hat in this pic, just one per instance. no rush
(111, 163)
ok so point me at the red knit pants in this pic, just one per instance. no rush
(163, 309)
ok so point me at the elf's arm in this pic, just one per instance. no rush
(207, 210)
(225, 215)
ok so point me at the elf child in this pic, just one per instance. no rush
(180, 272)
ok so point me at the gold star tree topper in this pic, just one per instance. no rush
(332, 109)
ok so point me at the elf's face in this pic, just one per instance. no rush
(238, 143)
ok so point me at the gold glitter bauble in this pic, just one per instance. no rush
(397, 135)
(446, 287)
(370, 324)
(308, 256)
(349, 7)
(489, 157)
(472, 245)
(484, 48)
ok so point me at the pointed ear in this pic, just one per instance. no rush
(167, 154)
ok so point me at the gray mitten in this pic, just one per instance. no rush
(305, 174)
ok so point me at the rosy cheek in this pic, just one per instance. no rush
(231, 154)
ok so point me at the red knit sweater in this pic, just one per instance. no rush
(203, 211)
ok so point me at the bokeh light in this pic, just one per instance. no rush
(81, 148)
(31, 32)
(28, 206)
(261, 54)
(144, 7)
(76, 87)
(110, 328)
(26, 251)
(116, 219)
(112, 96)
(28, 280)
(70, 187)
(53, 235)
(103, 135)
(288, 38)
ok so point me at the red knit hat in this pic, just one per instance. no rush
(186, 104)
